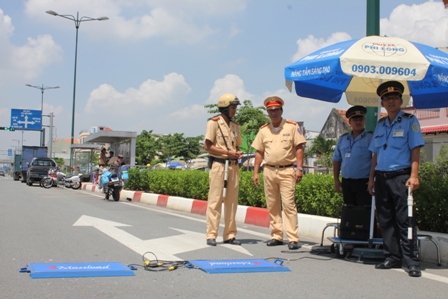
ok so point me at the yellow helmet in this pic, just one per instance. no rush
(228, 99)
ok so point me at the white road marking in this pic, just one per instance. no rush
(166, 247)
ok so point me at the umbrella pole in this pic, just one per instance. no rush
(410, 207)
(226, 174)
(372, 222)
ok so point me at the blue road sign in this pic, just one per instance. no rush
(25, 119)
(9, 152)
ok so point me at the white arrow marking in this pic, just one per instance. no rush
(26, 122)
(165, 248)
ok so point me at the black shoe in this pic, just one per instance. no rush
(274, 242)
(387, 264)
(232, 241)
(293, 245)
(414, 271)
(211, 242)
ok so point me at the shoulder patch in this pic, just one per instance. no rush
(266, 124)
(215, 118)
(408, 115)
(382, 119)
(291, 122)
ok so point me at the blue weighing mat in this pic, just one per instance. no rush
(67, 270)
(238, 266)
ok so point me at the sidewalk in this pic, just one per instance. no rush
(310, 226)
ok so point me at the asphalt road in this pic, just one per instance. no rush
(59, 225)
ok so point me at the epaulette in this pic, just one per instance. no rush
(266, 124)
(382, 119)
(369, 132)
(408, 115)
(291, 122)
(216, 118)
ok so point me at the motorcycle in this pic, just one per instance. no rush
(50, 180)
(59, 178)
(112, 184)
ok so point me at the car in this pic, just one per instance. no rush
(38, 169)
(2, 173)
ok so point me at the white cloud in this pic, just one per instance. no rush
(150, 95)
(38, 53)
(425, 23)
(311, 43)
(194, 111)
(176, 21)
(6, 27)
(229, 84)
(26, 61)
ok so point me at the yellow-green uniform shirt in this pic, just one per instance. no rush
(279, 146)
(231, 134)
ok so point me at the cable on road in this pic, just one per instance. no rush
(157, 265)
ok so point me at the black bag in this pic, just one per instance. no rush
(355, 223)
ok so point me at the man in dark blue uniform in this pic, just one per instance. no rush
(396, 147)
(353, 159)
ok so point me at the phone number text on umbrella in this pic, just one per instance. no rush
(387, 70)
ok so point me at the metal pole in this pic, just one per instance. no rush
(42, 89)
(51, 135)
(42, 133)
(372, 28)
(77, 22)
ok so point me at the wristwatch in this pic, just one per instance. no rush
(300, 168)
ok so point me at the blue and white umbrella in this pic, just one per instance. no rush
(357, 67)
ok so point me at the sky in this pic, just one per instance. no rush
(155, 63)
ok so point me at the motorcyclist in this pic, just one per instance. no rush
(112, 159)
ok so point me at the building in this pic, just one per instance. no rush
(434, 126)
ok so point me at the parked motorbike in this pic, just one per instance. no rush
(58, 178)
(112, 185)
(50, 180)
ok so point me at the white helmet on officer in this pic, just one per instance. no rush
(225, 101)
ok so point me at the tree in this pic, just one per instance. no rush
(145, 147)
(323, 149)
(151, 147)
(59, 161)
(179, 146)
(250, 119)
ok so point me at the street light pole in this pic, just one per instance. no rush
(18, 145)
(77, 21)
(42, 89)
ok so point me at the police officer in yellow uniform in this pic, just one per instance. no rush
(222, 141)
(280, 144)
(396, 147)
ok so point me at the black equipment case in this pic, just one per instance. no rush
(355, 223)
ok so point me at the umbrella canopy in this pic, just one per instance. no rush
(357, 67)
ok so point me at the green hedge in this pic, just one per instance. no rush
(315, 195)
(430, 200)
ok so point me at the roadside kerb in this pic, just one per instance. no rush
(310, 226)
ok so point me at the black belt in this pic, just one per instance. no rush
(392, 174)
(223, 161)
(280, 166)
